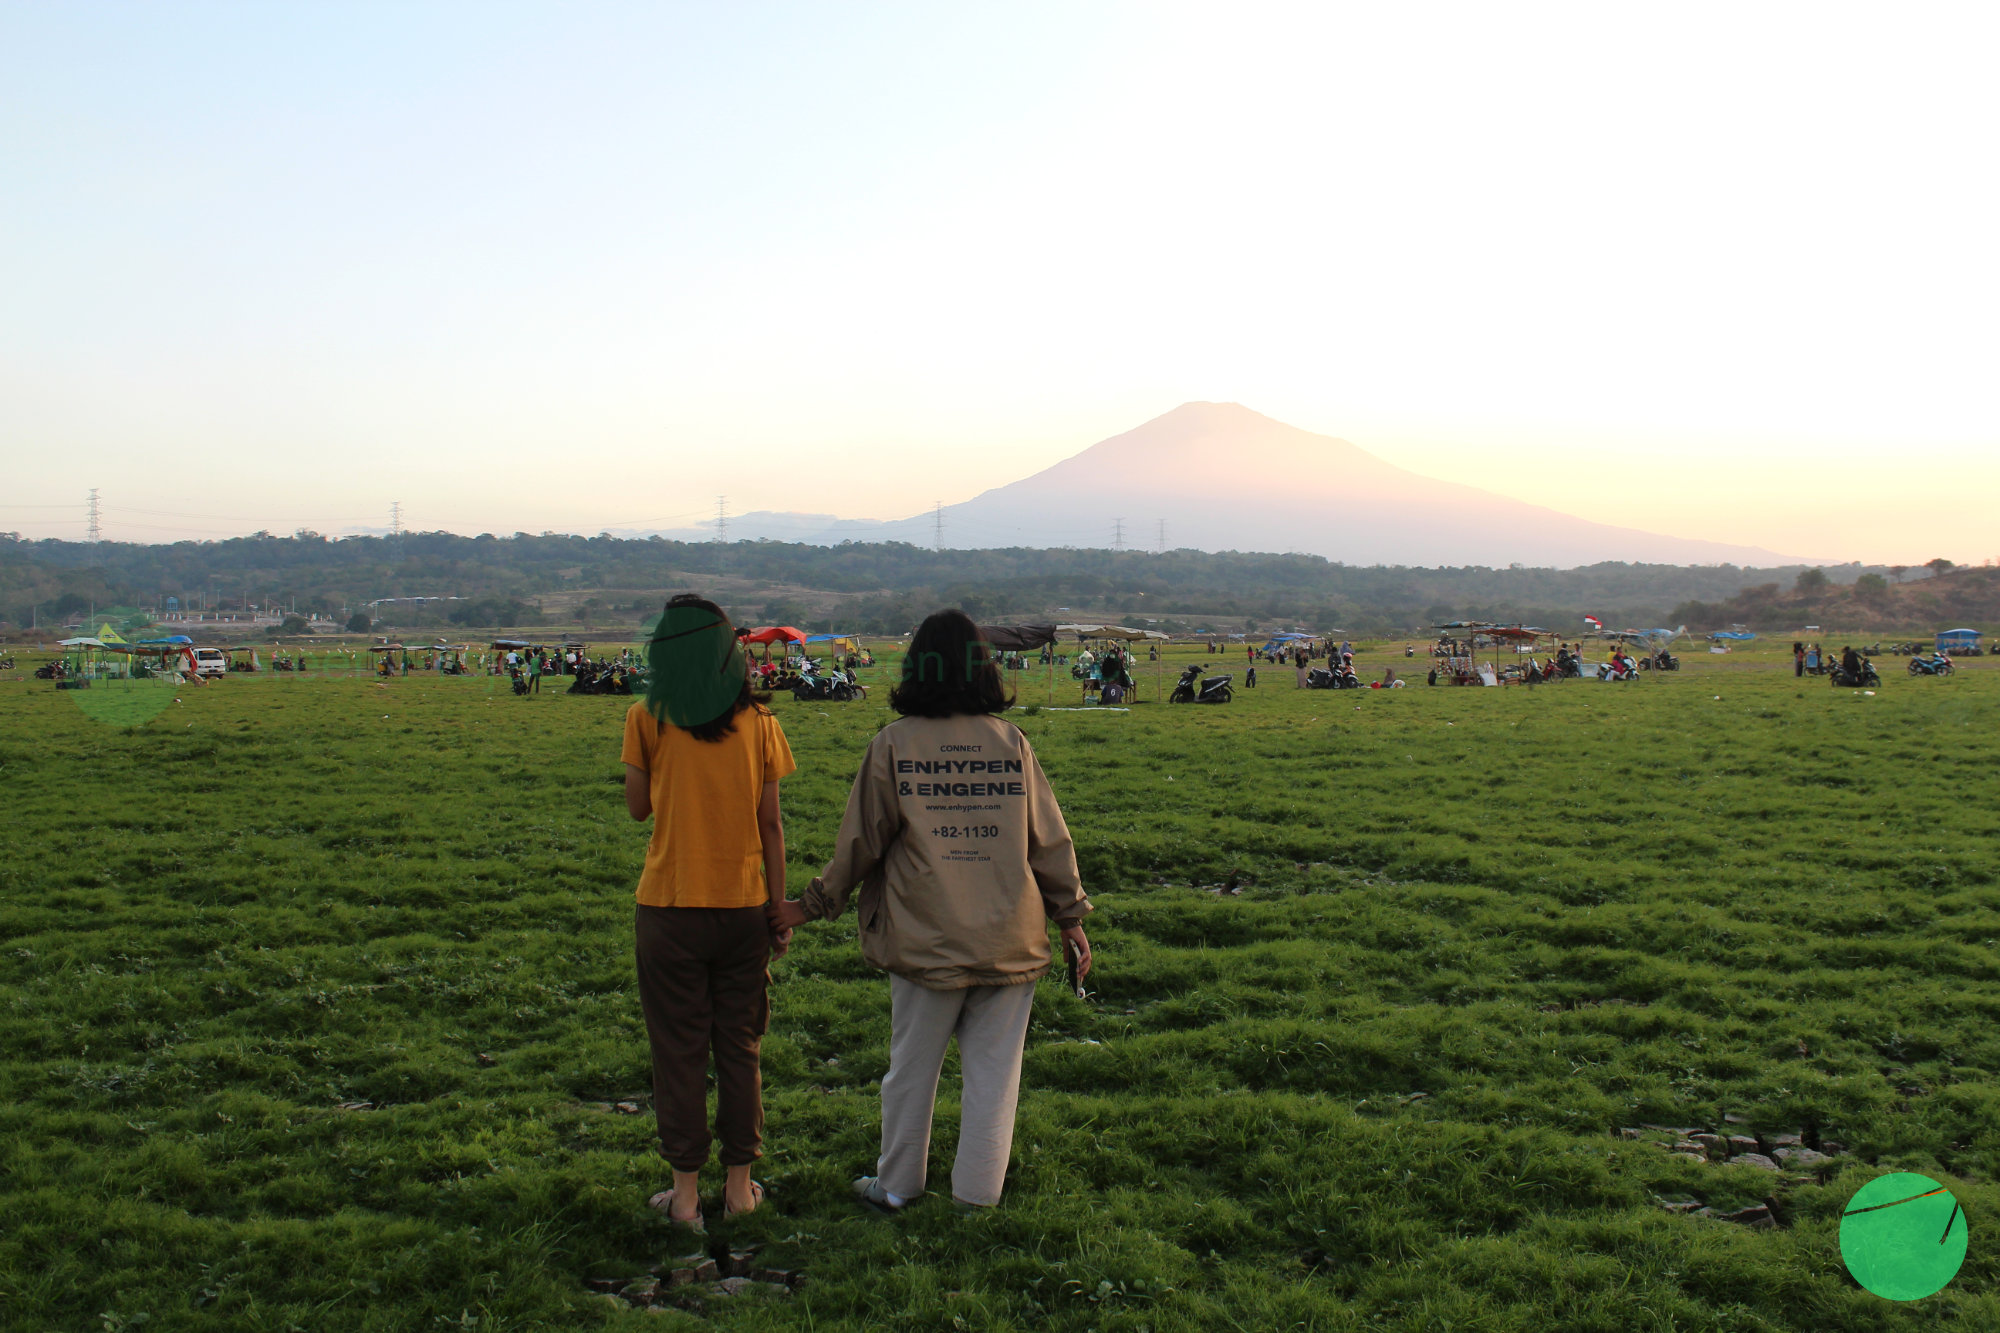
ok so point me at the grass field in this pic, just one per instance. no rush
(318, 1003)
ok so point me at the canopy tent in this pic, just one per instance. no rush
(851, 642)
(85, 642)
(1654, 638)
(1108, 632)
(1734, 636)
(1018, 638)
(1459, 664)
(170, 641)
(772, 634)
(516, 644)
(1949, 639)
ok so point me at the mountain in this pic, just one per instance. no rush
(1221, 477)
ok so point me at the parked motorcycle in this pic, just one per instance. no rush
(832, 687)
(1937, 664)
(1841, 678)
(1660, 661)
(1324, 678)
(1619, 670)
(1193, 688)
(50, 671)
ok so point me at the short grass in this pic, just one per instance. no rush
(1378, 1086)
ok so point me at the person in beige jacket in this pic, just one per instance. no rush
(961, 858)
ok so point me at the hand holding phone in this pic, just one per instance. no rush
(1076, 955)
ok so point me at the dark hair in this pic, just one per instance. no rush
(717, 728)
(948, 670)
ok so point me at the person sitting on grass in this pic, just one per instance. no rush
(703, 759)
(954, 905)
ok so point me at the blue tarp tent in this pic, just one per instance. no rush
(1733, 635)
(1957, 640)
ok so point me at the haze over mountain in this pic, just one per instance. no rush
(1221, 477)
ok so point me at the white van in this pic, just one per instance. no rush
(211, 662)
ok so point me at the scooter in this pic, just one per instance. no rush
(815, 688)
(1937, 664)
(1842, 678)
(1322, 678)
(1660, 661)
(1622, 669)
(1193, 688)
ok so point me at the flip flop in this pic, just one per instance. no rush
(663, 1204)
(756, 1201)
(869, 1190)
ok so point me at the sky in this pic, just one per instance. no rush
(1722, 271)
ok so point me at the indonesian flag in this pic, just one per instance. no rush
(1593, 622)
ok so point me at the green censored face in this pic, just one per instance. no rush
(696, 668)
(1903, 1236)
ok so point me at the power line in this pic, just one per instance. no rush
(722, 518)
(1118, 534)
(395, 518)
(95, 531)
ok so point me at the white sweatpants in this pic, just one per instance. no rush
(991, 1024)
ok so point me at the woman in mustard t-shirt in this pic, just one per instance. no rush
(703, 759)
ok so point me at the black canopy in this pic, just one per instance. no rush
(1018, 638)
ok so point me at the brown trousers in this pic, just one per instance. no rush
(704, 984)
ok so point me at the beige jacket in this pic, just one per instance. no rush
(960, 853)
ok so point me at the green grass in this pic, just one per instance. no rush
(1378, 1087)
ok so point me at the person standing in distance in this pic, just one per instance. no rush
(961, 858)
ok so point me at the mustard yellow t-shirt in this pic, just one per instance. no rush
(705, 850)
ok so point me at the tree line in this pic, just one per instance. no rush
(870, 587)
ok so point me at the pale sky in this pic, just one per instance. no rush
(1723, 271)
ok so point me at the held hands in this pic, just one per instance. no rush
(781, 942)
(785, 915)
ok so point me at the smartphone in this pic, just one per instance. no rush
(1075, 982)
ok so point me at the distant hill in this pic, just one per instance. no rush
(1967, 597)
(1221, 477)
